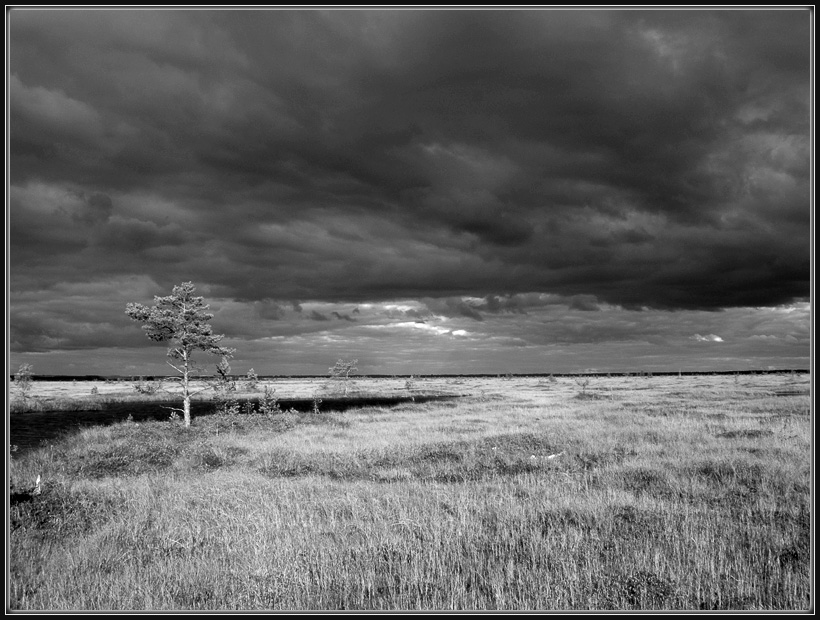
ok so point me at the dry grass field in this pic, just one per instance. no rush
(621, 493)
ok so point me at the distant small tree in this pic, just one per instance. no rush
(341, 372)
(252, 380)
(23, 379)
(181, 319)
(225, 388)
(224, 381)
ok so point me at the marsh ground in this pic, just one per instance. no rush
(662, 492)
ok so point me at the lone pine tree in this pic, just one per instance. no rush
(181, 319)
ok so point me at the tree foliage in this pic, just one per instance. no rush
(182, 319)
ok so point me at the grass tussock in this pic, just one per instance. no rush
(544, 501)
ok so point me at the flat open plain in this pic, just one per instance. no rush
(642, 492)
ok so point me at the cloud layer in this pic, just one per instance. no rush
(471, 163)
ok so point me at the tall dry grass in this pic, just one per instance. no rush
(661, 493)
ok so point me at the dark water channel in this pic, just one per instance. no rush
(28, 431)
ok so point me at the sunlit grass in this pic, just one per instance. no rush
(655, 494)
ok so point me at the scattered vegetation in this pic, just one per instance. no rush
(340, 375)
(40, 405)
(666, 496)
(148, 387)
(22, 379)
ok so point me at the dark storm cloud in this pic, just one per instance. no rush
(343, 317)
(512, 303)
(641, 158)
(586, 303)
(453, 306)
(515, 304)
(73, 317)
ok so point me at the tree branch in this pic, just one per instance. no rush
(173, 408)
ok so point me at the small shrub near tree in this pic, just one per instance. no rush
(225, 388)
(251, 380)
(269, 404)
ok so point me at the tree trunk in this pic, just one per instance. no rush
(186, 393)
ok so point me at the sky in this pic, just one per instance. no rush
(425, 191)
